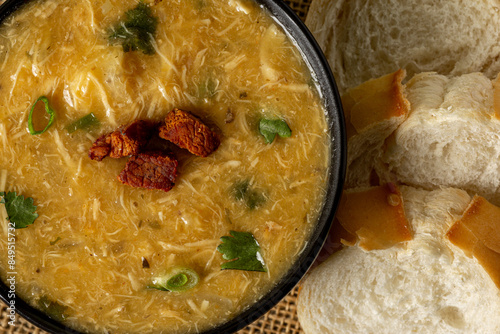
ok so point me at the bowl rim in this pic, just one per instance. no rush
(318, 64)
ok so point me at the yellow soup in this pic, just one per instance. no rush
(98, 246)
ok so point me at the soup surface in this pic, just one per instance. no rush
(92, 256)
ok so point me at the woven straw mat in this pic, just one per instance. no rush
(281, 319)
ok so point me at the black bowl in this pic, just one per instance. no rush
(318, 64)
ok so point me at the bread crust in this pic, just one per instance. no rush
(373, 111)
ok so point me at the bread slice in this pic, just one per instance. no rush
(373, 110)
(451, 137)
(426, 285)
(366, 39)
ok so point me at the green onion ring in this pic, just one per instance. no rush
(177, 279)
(49, 111)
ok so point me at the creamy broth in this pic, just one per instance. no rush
(227, 62)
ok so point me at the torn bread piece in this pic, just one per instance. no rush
(477, 234)
(427, 286)
(375, 216)
(367, 39)
(373, 110)
(451, 137)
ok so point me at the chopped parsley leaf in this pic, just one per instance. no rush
(21, 211)
(136, 31)
(242, 251)
(242, 191)
(86, 122)
(53, 309)
(269, 128)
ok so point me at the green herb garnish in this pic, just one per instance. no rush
(52, 243)
(243, 252)
(86, 122)
(20, 211)
(251, 197)
(177, 280)
(48, 109)
(269, 128)
(137, 29)
(207, 89)
(200, 4)
(53, 309)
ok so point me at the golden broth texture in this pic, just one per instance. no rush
(228, 63)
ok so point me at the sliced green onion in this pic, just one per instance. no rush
(49, 111)
(86, 122)
(52, 243)
(177, 280)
